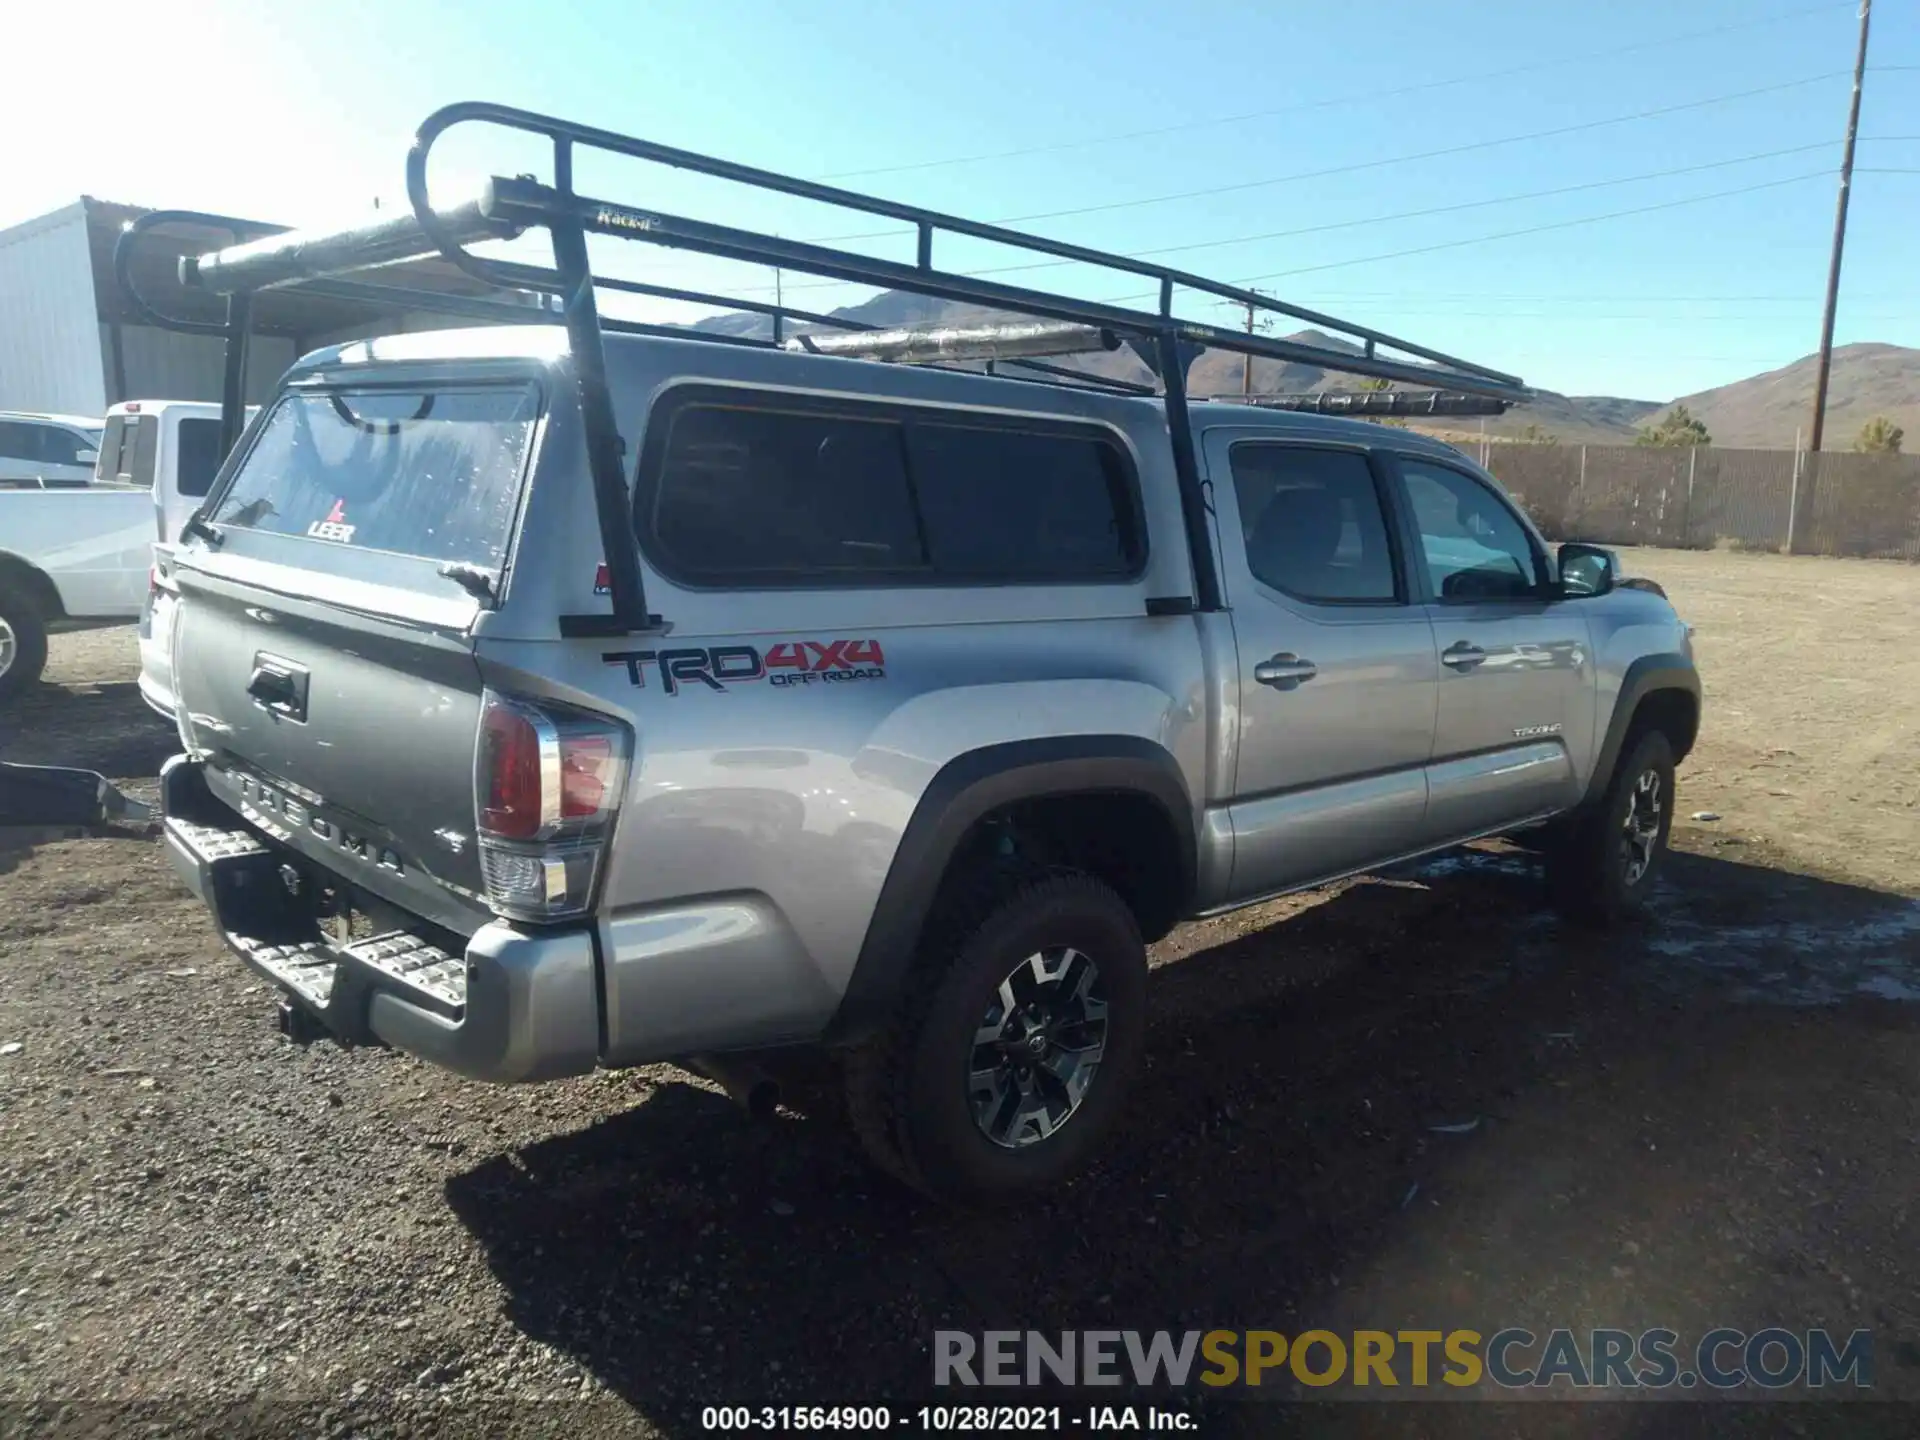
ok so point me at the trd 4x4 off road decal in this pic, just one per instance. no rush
(788, 664)
(335, 526)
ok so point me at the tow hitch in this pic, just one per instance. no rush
(299, 1025)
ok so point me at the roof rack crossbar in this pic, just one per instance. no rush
(511, 206)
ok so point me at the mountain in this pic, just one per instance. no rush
(1575, 419)
(1763, 411)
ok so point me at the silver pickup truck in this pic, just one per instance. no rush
(948, 709)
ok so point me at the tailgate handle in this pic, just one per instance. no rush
(279, 686)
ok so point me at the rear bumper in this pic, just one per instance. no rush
(516, 1005)
(156, 663)
(159, 699)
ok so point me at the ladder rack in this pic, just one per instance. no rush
(509, 206)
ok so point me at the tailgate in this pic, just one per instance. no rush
(322, 654)
(350, 739)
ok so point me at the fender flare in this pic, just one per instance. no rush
(967, 788)
(1668, 670)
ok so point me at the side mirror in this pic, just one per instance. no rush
(1587, 570)
(87, 457)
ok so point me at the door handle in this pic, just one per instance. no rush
(1462, 655)
(1285, 671)
(279, 686)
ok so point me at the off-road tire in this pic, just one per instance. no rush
(906, 1088)
(29, 635)
(1590, 869)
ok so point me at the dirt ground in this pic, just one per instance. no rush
(1410, 1101)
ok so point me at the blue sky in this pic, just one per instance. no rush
(302, 114)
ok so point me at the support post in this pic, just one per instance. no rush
(611, 506)
(1186, 469)
(1580, 492)
(1793, 498)
(233, 383)
(1686, 515)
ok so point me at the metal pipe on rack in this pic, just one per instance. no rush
(297, 255)
(1011, 341)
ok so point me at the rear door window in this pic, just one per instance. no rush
(198, 460)
(1313, 523)
(741, 490)
(127, 449)
(434, 474)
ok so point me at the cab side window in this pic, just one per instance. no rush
(1475, 547)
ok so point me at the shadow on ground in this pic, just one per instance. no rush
(1283, 1139)
(102, 726)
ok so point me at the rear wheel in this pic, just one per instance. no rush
(1012, 1052)
(1602, 869)
(23, 642)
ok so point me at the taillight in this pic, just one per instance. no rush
(507, 779)
(589, 767)
(547, 784)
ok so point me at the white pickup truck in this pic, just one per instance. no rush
(72, 556)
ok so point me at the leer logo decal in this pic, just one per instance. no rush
(789, 664)
(334, 527)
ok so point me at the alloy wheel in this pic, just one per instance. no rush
(1640, 833)
(1038, 1047)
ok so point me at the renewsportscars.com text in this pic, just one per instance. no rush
(1513, 1358)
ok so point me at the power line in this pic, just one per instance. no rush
(1506, 234)
(1351, 166)
(1382, 219)
(1368, 97)
(1435, 209)
(1551, 225)
(1475, 296)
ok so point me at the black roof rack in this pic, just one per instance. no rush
(235, 329)
(509, 206)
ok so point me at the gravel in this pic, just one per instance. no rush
(197, 1215)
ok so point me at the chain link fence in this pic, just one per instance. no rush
(1825, 504)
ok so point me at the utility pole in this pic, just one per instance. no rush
(1839, 236)
(1246, 361)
